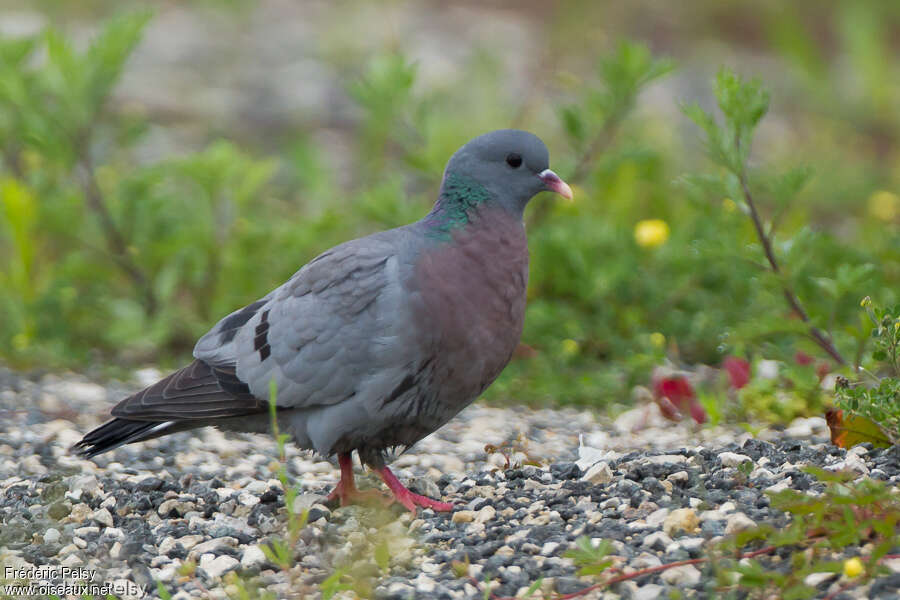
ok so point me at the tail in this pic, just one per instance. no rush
(118, 432)
(199, 394)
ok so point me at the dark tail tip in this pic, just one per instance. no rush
(115, 433)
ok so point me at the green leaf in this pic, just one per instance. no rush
(533, 587)
(333, 584)
(108, 52)
(164, 594)
(383, 555)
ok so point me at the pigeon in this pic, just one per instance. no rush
(375, 343)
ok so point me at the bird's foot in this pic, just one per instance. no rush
(346, 491)
(409, 499)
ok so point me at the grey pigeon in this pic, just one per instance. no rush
(377, 342)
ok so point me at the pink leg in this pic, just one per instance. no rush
(346, 490)
(407, 498)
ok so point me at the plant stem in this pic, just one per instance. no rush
(820, 337)
(115, 241)
(601, 141)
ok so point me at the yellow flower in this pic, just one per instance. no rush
(884, 205)
(657, 340)
(853, 567)
(570, 347)
(651, 233)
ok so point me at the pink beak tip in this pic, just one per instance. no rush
(554, 184)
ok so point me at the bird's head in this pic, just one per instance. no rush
(510, 166)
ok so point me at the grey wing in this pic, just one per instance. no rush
(336, 329)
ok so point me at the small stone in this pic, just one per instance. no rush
(103, 517)
(679, 477)
(780, 486)
(463, 516)
(213, 546)
(189, 541)
(80, 513)
(167, 545)
(738, 522)
(248, 499)
(657, 517)
(72, 560)
(253, 557)
(681, 519)
(650, 591)
(32, 464)
(549, 548)
(216, 566)
(425, 486)
(424, 583)
(58, 511)
(180, 507)
(485, 514)
(598, 474)
(685, 576)
(658, 540)
(732, 459)
(115, 551)
(51, 536)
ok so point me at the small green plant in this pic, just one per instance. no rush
(743, 103)
(589, 559)
(281, 552)
(880, 402)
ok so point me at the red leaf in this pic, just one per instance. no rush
(677, 389)
(802, 358)
(738, 371)
(698, 413)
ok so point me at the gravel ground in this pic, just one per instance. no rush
(137, 514)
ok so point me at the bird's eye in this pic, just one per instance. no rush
(514, 160)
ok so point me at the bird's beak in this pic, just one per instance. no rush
(554, 184)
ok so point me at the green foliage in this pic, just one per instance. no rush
(879, 402)
(590, 560)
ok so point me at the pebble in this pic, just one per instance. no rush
(253, 557)
(216, 566)
(463, 516)
(598, 474)
(683, 576)
(681, 519)
(103, 517)
(733, 459)
(738, 522)
(51, 536)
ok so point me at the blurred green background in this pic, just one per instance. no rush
(164, 163)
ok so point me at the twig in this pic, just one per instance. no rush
(115, 241)
(601, 141)
(820, 337)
